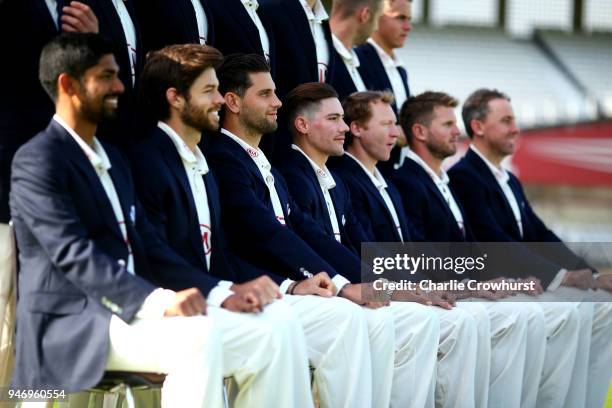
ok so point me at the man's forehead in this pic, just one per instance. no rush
(398, 7)
(330, 106)
(106, 62)
(501, 106)
(261, 80)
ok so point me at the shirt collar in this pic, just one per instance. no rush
(376, 177)
(326, 180)
(186, 154)
(251, 4)
(349, 56)
(257, 155)
(442, 179)
(499, 172)
(389, 61)
(317, 15)
(95, 154)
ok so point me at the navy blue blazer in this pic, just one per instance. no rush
(235, 31)
(254, 232)
(340, 78)
(73, 255)
(168, 22)
(373, 72)
(296, 54)
(426, 208)
(306, 191)
(492, 219)
(163, 188)
(369, 206)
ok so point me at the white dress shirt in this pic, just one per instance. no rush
(160, 299)
(326, 183)
(502, 177)
(315, 17)
(201, 20)
(351, 61)
(381, 185)
(130, 34)
(251, 7)
(442, 183)
(391, 64)
(196, 167)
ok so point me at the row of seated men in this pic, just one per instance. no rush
(207, 263)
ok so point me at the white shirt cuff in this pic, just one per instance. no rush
(155, 305)
(219, 293)
(556, 282)
(284, 286)
(340, 282)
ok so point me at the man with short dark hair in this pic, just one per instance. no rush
(498, 211)
(379, 209)
(181, 196)
(351, 23)
(85, 247)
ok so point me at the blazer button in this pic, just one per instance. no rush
(121, 262)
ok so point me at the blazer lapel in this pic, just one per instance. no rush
(302, 26)
(490, 179)
(74, 153)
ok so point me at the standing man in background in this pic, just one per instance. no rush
(382, 69)
(351, 22)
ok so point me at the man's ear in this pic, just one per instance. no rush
(477, 127)
(175, 100)
(67, 84)
(301, 124)
(419, 132)
(364, 14)
(355, 128)
(233, 102)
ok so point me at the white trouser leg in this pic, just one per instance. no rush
(563, 326)
(600, 359)
(535, 350)
(577, 388)
(483, 351)
(456, 358)
(266, 355)
(417, 332)
(187, 349)
(381, 333)
(336, 335)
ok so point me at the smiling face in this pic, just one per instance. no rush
(326, 127)
(499, 129)
(201, 109)
(379, 134)
(97, 92)
(442, 134)
(259, 105)
(394, 24)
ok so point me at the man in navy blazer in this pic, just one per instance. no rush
(378, 207)
(84, 304)
(382, 69)
(351, 23)
(79, 252)
(498, 211)
(188, 215)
